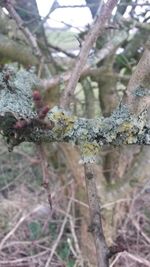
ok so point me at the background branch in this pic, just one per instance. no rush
(137, 96)
(30, 38)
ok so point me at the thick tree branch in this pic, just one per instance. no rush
(16, 105)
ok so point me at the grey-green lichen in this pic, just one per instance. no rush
(15, 90)
(16, 104)
(141, 91)
(89, 134)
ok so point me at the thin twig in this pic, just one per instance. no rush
(24, 259)
(11, 232)
(45, 172)
(76, 244)
(116, 259)
(59, 49)
(135, 258)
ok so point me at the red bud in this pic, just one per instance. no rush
(20, 124)
(36, 96)
(43, 112)
(7, 76)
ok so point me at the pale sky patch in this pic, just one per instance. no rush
(78, 17)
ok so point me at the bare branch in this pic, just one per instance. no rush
(88, 70)
(95, 215)
(97, 29)
(45, 172)
(59, 49)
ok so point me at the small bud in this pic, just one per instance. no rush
(36, 96)
(7, 76)
(43, 112)
(20, 124)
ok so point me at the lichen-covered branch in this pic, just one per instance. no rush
(19, 120)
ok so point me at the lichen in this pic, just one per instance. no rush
(63, 121)
(88, 152)
(141, 91)
(16, 91)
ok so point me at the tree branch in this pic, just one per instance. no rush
(97, 29)
(88, 70)
(95, 228)
(20, 122)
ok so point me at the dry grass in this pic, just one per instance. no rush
(133, 230)
(31, 233)
(34, 235)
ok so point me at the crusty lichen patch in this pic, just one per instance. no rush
(16, 91)
(89, 152)
(63, 121)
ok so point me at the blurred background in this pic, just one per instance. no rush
(31, 232)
